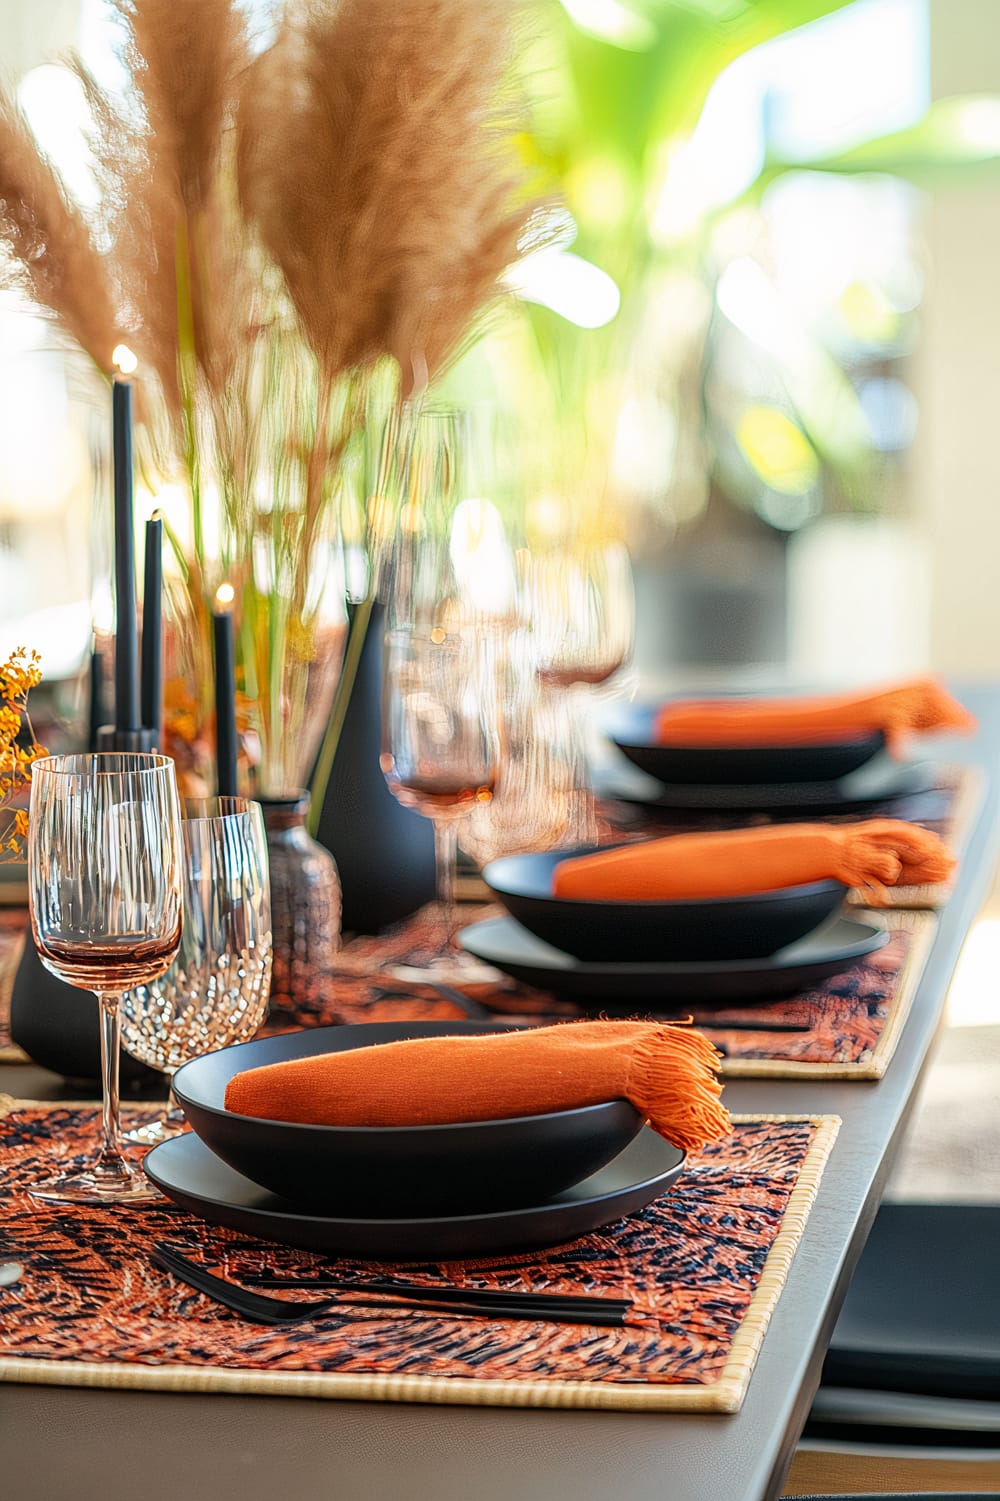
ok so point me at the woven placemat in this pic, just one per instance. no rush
(704, 1266)
(846, 1026)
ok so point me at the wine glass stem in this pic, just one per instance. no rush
(445, 858)
(111, 1152)
(583, 814)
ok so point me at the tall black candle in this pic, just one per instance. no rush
(95, 708)
(126, 636)
(152, 614)
(225, 697)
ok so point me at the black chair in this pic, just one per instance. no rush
(910, 1391)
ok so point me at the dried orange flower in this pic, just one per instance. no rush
(18, 675)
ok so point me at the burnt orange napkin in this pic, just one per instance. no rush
(871, 855)
(669, 1072)
(920, 703)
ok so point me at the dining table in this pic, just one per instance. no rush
(83, 1442)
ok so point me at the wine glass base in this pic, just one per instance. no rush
(153, 1132)
(455, 969)
(100, 1184)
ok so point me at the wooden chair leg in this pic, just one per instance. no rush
(846, 1469)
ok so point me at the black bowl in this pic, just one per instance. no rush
(732, 927)
(397, 1170)
(631, 730)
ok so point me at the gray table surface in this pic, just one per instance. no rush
(80, 1444)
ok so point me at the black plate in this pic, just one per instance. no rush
(831, 949)
(631, 729)
(187, 1172)
(735, 927)
(881, 780)
(453, 1169)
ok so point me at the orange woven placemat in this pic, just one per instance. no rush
(704, 1266)
(846, 1026)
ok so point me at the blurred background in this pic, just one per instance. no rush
(762, 347)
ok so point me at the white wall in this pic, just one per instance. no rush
(956, 476)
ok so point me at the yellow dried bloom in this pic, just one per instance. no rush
(18, 675)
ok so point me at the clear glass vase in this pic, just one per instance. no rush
(305, 912)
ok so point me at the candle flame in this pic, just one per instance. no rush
(224, 596)
(123, 359)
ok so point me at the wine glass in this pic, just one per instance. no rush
(441, 703)
(580, 602)
(534, 797)
(104, 891)
(216, 991)
(440, 748)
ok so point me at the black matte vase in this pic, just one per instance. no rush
(384, 852)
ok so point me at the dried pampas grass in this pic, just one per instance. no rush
(374, 160)
(178, 244)
(51, 253)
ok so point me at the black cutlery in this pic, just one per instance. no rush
(484, 1297)
(452, 1302)
(762, 1026)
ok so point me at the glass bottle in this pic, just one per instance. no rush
(305, 912)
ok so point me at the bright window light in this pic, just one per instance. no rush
(611, 21)
(854, 75)
(54, 102)
(574, 288)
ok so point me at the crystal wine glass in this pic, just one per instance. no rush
(580, 602)
(216, 991)
(440, 748)
(104, 889)
(441, 703)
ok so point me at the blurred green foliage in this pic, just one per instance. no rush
(617, 87)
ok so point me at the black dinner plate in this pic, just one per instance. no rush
(502, 942)
(186, 1171)
(448, 1169)
(880, 780)
(631, 729)
(733, 927)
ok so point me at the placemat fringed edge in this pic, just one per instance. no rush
(923, 926)
(724, 1395)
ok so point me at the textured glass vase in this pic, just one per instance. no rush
(305, 912)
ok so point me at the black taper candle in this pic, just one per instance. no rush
(95, 708)
(225, 704)
(126, 647)
(152, 617)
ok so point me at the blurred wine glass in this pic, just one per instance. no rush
(104, 890)
(580, 603)
(216, 991)
(533, 800)
(441, 700)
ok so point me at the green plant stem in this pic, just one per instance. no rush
(176, 547)
(338, 713)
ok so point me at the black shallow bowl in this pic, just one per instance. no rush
(631, 730)
(738, 927)
(374, 1170)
